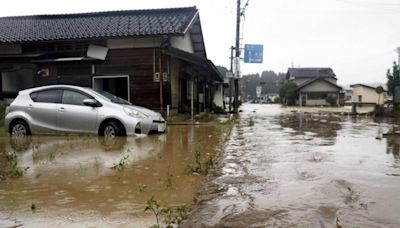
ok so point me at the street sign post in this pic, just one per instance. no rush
(253, 53)
(258, 91)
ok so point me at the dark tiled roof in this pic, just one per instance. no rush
(310, 73)
(131, 23)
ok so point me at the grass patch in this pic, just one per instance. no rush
(179, 118)
(203, 117)
(3, 106)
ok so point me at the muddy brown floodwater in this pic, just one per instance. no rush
(298, 169)
(69, 181)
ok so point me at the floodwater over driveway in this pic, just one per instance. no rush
(283, 168)
(101, 182)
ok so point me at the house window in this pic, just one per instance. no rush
(316, 96)
(319, 95)
(359, 98)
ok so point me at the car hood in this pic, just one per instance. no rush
(144, 110)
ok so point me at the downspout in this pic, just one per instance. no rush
(338, 99)
(192, 99)
(161, 83)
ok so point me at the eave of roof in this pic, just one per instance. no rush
(317, 79)
(368, 86)
(196, 61)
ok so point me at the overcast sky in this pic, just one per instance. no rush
(357, 38)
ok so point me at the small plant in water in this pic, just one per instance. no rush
(12, 169)
(142, 187)
(200, 168)
(251, 122)
(170, 216)
(121, 164)
(153, 206)
(168, 179)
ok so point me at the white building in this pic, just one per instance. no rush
(363, 93)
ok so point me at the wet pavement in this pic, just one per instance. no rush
(288, 168)
(82, 181)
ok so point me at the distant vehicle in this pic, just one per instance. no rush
(66, 109)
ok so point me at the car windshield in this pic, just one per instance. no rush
(111, 97)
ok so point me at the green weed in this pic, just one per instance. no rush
(10, 168)
(251, 122)
(168, 179)
(200, 167)
(170, 216)
(121, 164)
(142, 187)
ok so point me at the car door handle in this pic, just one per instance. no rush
(29, 107)
(62, 109)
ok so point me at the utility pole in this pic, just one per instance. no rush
(398, 56)
(230, 81)
(237, 58)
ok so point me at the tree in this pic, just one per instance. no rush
(288, 93)
(393, 79)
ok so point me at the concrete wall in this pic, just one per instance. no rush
(183, 43)
(368, 95)
(316, 102)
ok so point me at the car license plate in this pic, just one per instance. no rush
(161, 127)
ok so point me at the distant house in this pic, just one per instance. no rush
(367, 93)
(348, 93)
(154, 58)
(315, 86)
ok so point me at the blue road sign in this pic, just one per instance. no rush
(253, 53)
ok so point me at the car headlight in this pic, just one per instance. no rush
(134, 113)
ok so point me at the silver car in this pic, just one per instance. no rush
(66, 109)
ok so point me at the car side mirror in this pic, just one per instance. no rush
(91, 103)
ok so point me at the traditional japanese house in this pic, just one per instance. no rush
(153, 58)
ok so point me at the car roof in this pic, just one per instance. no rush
(52, 87)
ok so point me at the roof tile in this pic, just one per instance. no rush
(132, 23)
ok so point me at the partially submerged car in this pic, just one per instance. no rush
(67, 109)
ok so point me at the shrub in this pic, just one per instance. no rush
(217, 109)
(331, 99)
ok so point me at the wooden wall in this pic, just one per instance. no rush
(137, 63)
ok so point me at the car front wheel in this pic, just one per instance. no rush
(19, 128)
(112, 129)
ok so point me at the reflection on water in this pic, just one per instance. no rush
(393, 146)
(303, 170)
(323, 126)
(71, 174)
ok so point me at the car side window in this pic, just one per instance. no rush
(46, 96)
(74, 97)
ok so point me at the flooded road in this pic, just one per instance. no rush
(76, 181)
(283, 168)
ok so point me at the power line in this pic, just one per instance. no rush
(374, 5)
